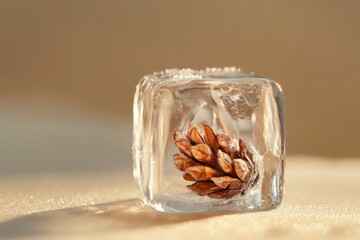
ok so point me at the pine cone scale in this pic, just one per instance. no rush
(226, 181)
(224, 142)
(202, 173)
(183, 162)
(202, 153)
(189, 177)
(210, 138)
(227, 193)
(184, 146)
(225, 163)
(204, 188)
(194, 136)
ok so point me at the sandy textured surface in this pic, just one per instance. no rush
(322, 201)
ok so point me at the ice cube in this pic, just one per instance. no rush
(235, 106)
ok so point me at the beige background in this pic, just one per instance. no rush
(68, 71)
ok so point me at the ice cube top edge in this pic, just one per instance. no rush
(187, 73)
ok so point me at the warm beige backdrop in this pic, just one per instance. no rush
(60, 59)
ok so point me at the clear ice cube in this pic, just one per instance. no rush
(233, 103)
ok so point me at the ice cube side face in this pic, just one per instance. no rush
(232, 103)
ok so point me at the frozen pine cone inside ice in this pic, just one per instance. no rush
(217, 167)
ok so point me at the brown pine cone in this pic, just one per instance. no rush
(218, 169)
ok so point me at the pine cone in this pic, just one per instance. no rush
(218, 169)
